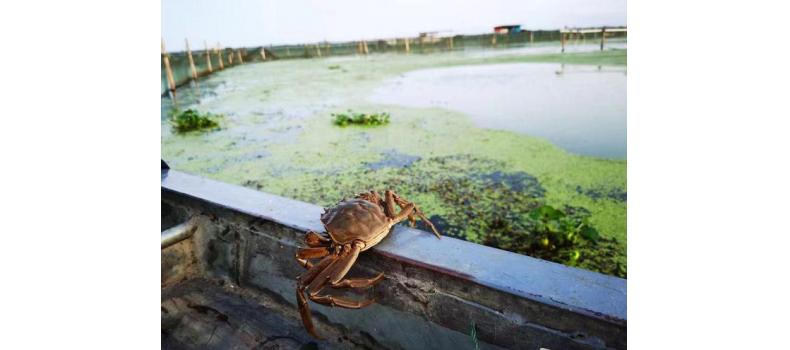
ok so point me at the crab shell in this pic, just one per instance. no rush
(357, 220)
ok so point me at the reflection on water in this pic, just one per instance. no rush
(579, 108)
(549, 48)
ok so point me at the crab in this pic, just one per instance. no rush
(354, 225)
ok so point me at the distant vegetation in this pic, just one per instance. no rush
(193, 120)
(345, 119)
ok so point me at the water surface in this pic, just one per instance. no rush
(577, 107)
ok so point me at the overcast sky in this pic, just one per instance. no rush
(254, 23)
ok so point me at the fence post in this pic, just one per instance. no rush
(171, 83)
(365, 46)
(208, 56)
(530, 37)
(238, 53)
(219, 54)
(191, 61)
(562, 40)
(603, 37)
(407, 44)
(230, 58)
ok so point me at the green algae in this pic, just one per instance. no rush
(364, 119)
(447, 182)
(475, 184)
(192, 120)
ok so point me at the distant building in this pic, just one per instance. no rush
(506, 29)
(434, 36)
(428, 37)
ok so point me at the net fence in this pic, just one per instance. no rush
(425, 44)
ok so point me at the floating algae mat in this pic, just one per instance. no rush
(476, 182)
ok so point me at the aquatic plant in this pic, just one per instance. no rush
(192, 120)
(471, 198)
(345, 119)
(333, 67)
(473, 335)
(555, 229)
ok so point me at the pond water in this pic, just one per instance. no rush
(477, 138)
(550, 48)
(579, 108)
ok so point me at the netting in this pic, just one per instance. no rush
(182, 72)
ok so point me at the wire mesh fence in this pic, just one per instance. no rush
(210, 60)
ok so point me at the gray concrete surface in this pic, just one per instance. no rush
(435, 291)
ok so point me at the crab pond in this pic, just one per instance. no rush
(520, 149)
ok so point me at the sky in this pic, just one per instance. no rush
(248, 23)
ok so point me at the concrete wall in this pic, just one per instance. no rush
(434, 293)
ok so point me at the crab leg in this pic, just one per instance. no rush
(391, 200)
(314, 239)
(331, 300)
(345, 264)
(306, 263)
(333, 276)
(308, 277)
(358, 282)
(304, 311)
(389, 203)
(342, 265)
(310, 253)
(406, 204)
(402, 204)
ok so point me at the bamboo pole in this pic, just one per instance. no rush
(407, 44)
(230, 58)
(219, 54)
(208, 57)
(263, 53)
(450, 43)
(238, 53)
(171, 83)
(493, 39)
(603, 37)
(191, 61)
(562, 40)
(365, 46)
(530, 37)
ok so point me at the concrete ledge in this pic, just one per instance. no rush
(435, 289)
